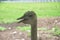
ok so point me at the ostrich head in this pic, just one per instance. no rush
(28, 17)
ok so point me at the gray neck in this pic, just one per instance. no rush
(34, 30)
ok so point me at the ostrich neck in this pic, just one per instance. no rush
(34, 30)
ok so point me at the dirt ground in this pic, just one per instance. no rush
(13, 34)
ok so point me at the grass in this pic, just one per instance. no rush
(2, 28)
(9, 12)
(26, 28)
(57, 31)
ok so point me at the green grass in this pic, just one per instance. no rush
(9, 12)
(2, 28)
(25, 28)
(57, 31)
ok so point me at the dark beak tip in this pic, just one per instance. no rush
(17, 19)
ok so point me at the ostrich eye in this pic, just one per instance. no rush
(30, 15)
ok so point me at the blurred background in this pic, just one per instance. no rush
(31, 0)
(48, 17)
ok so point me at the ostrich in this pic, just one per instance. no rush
(30, 18)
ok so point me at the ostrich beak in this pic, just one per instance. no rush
(20, 19)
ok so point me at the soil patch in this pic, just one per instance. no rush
(14, 34)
